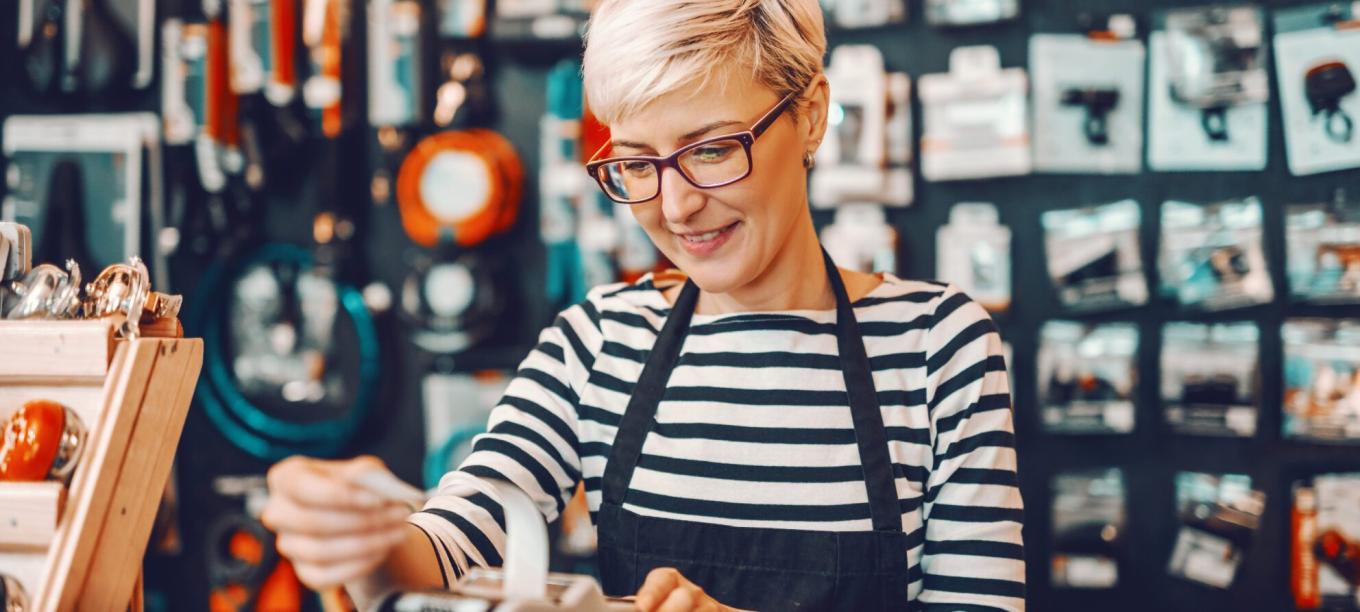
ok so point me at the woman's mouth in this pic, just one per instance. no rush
(706, 243)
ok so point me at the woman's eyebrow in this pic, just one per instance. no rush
(706, 129)
(628, 144)
(687, 138)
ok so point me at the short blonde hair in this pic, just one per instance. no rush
(640, 50)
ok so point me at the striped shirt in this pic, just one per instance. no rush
(755, 430)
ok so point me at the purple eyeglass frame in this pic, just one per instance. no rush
(746, 138)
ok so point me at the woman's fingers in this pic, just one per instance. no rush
(667, 590)
(329, 550)
(331, 529)
(657, 587)
(282, 514)
(681, 599)
(319, 577)
(312, 482)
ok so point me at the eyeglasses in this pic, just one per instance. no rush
(707, 164)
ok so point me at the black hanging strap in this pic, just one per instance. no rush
(872, 438)
(651, 386)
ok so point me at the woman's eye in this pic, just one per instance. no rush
(712, 153)
(638, 168)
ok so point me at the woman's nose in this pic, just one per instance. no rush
(679, 199)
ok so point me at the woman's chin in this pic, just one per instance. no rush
(720, 275)
(718, 271)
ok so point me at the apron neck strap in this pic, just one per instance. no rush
(647, 393)
(870, 435)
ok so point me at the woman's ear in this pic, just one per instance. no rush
(818, 96)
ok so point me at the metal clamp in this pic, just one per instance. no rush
(121, 290)
(47, 292)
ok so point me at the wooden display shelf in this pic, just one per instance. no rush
(80, 547)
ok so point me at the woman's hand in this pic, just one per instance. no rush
(665, 590)
(331, 529)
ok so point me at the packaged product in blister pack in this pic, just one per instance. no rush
(395, 67)
(958, 13)
(229, 82)
(591, 240)
(1322, 379)
(81, 183)
(1219, 515)
(861, 239)
(973, 251)
(1212, 256)
(292, 352)
(561, 20)
(1317, 56)
(898, 143)
(1094, 259)
(457, 406)
(1088, 100)
(283, 323)
(16, 259)
(114, 39)
(461, 18)
(1323, 251)
(450, 304)
(568, 201)
(866, 156)
(1325, 542)
(262, 46)
(1208, 90)
(854, 14)
(184, 70)
(976, 118)
(1210, 377)
(1087, 377)
(1088, 528)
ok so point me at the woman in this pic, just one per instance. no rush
(757, 430)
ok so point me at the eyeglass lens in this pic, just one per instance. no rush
(710, 164)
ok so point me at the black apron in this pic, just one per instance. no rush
(758, 568)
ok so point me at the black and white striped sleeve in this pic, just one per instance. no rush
(974, 556)
(531, 441)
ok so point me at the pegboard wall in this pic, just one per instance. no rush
(1150, 456)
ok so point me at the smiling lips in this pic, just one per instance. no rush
(705, 243)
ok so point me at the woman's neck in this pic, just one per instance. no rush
(795, 280)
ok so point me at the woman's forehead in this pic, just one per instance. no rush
(693, 113)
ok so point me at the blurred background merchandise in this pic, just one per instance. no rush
(373, 206)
